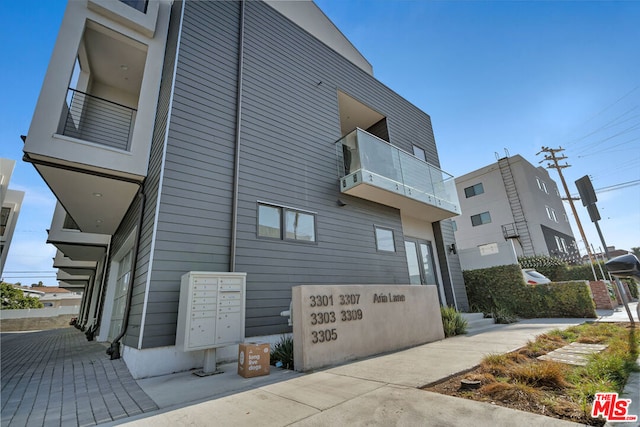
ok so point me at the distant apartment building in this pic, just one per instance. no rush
(513, 200)
(10, 201)
(229, 136)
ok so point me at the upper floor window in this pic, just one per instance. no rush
(479, 219)
(419, 153)
(551, 213)
(564, 245)
(541, 185)
(474, 190)
(283, 223)
(140, 5)
(384, 239)
(558, 244)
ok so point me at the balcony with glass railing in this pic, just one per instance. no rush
(373, 169)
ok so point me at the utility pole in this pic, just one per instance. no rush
(550, 156)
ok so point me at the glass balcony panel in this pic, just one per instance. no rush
(366, 159)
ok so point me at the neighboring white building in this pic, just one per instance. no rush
(513, 199)
(11, 201)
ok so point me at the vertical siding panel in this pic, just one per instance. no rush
(194, 217)
(150, 189)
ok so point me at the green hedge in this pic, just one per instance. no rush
(633, 287)
(503, 288)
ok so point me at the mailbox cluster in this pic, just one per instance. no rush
(211, 311)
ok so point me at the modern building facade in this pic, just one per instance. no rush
(229, 136)
(10, 203)
(513, 200)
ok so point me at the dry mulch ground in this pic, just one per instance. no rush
(518, 380)
(509, 398)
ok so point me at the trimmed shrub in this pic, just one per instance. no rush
(503, 288)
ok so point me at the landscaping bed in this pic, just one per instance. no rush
(519, 380)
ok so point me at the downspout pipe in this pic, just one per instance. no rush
(114, 349)
(236, 165)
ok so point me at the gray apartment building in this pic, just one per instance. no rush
(512, 199)
(229, 136)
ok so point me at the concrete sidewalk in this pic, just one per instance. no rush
(380, 390)
(57, 378)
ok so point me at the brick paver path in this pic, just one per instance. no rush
(58, 378)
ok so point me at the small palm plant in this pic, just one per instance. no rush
(453, 322)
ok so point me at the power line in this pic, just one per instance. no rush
(606, 108)
(608, 149)
(607, 125)
(622, 132)
(615, 187)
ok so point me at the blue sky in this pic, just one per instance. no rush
(493, 75)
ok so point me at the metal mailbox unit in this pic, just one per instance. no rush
(211, 313)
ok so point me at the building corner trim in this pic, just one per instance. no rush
(160, 180)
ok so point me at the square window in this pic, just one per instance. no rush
(384, 239)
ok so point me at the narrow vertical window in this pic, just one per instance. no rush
(300, 226)
(419, 153)
(269, 221)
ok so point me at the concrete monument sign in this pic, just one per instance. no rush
(337, 323)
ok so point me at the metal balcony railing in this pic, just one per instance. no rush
(510, 231)
(379, 164)
(98, 120)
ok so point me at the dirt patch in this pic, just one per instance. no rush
(35, 323)
(495, 391)
(518, 380)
